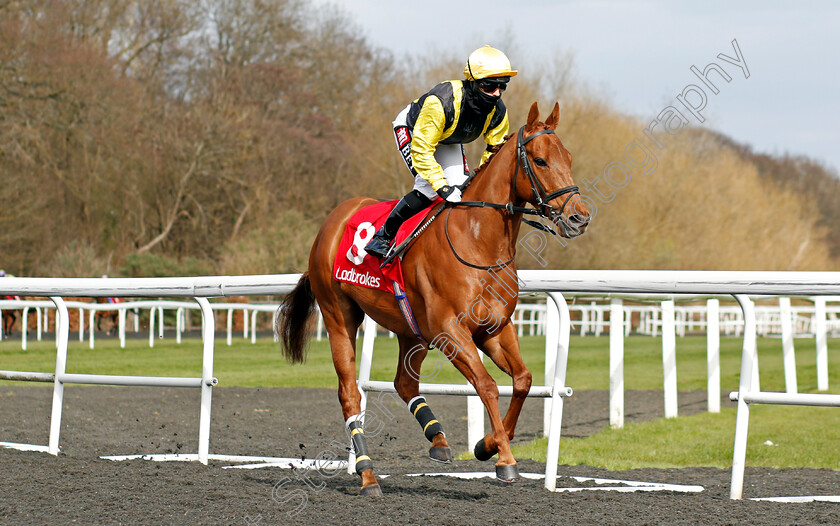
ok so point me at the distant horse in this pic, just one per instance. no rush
(457, 260)
(111, 315)
(9, 317)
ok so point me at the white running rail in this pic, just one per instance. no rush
(740, 284)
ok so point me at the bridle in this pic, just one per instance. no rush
(542, 208)
(536, 187)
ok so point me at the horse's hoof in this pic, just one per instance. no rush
(507, 473)
(372, 490)
(441, 454)
(480, 452)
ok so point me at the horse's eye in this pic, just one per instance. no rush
(539, 161)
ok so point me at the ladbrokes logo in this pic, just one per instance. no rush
(351, 276)
(403, 136)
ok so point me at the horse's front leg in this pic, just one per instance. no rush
(11, 319)
(464, 356)
(503, 349)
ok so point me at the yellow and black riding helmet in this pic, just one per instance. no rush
(489, 70)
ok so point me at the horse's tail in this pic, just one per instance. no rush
(291, 322)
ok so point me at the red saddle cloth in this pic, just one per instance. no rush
(354, 265)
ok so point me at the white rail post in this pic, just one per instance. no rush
(669, 358)
(584, 319)
(208, 328)
(92, 318)
(39, 324)
(713, 355)
(82, 325)
(822, 344)
(616, 363)
(680, 325)
(599, 319)
(656, 322)
(24, 328)
(160, 320)
(254, 326)
(62, 329)
(245, 323)
(552, 334)
(121, 317)
(152, 327)
(179, 323)
(788, 353)
(229, 326)
(369, 327)
(745, 386)
(557, 382)
(628, 324)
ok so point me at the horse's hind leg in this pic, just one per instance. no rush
(407, 384)
(503, 349)
(9, 319)
(342, 318)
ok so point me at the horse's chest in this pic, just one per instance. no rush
(490, 304)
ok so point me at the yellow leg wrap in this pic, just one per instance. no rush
(423, 413)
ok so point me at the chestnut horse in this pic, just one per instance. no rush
(110, 315)
(450, 274)
(9, 318)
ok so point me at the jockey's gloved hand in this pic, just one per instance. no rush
(450, 193)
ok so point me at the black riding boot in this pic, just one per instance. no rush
(413, 203)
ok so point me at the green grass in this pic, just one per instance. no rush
(803, 434)
(262, 364)
(801, 437)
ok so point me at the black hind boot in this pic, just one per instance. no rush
(413, 203)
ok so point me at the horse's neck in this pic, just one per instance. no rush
(494, 182)
(493, 232)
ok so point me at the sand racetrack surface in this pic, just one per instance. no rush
(79, 487)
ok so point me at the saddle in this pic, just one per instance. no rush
(354, 265)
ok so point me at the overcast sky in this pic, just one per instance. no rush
(639, 53)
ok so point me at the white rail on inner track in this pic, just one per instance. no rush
(199, 288)
(737, 283)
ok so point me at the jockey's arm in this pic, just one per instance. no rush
(428, 131)
(495, 137)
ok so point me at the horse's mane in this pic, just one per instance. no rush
(492, 155)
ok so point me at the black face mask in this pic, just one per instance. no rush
(479, 100)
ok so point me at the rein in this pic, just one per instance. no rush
(542, 208)
(462, 260)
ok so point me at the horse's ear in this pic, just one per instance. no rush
(554, 118)
(533, 116)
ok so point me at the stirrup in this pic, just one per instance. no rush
(378, 247)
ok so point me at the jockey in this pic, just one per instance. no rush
(431, 133)
(110, 300)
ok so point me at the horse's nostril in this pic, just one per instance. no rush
(577, 219)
